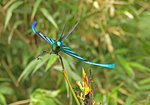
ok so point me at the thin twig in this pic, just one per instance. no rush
(22, 102)
(64, 73)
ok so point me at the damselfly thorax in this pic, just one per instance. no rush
(56, 47)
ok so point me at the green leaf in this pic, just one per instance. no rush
(10, 10)
(28, 69)
(41, 62)
(130, 99)
(114, 98)
(52, 60)
(144, 81)
(126, 66)
(35, 7)
(59, 80)
(116, 89)
(140, 67)
(70, 72)
(25, 58)
(17, 23)
(144, 87)
(6, 90)
(44, 97)
(68, 5)
(5, 80)
(48, 16)
(2, 100)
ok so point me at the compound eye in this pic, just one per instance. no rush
(58, 43)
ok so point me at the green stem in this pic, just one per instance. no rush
(64, 73)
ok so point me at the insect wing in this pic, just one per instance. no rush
(49, 40)
(68, 51)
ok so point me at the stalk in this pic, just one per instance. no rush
(64, 73)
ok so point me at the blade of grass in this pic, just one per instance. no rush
(28, 69)
(126, 66)
(10, 10)
(51, 61)
(35, 7)
(41, 63)
(48, 16)
(2, 99)
(144, 81)
(17, 23)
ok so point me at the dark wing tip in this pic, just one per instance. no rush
(69, 32)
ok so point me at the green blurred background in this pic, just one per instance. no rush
(110, 31)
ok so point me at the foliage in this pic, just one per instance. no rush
(85, 92)
(109, 31)
(44, 97)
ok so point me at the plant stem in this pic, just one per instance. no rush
(64, 73)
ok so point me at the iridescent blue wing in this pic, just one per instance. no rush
(68, 51)
(47, 39)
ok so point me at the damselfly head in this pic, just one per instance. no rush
(56, 46)
(58, 43)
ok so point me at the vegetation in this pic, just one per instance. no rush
(109, 31)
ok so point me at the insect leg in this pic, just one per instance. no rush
(61, 62)
(38, 57)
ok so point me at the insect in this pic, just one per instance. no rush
(57, 46)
